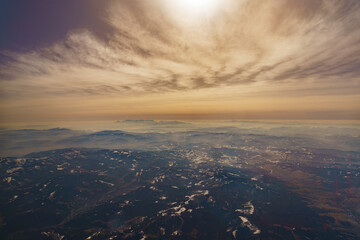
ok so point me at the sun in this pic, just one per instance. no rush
(197, 6)
(194, 8)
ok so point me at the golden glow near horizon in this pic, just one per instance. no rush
(266, 59)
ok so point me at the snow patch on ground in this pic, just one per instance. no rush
(247, 223)
(248, 209)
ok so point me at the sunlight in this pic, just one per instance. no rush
(194, 8)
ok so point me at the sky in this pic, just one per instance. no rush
(179, 59)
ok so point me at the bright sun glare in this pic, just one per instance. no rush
(194, 8)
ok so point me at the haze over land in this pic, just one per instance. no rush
(165, 135)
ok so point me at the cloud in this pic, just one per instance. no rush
(257, 41)
(145, 47)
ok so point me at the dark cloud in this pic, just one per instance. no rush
(161, 85)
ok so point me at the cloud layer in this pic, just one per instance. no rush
(287, 47)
